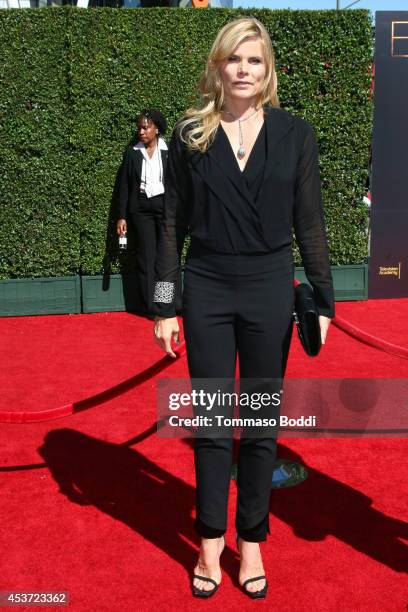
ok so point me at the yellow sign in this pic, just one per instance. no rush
(390, 270)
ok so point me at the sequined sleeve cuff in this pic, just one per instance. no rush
(164, 292)
(164, 299)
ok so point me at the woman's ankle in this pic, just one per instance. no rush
(212, 541)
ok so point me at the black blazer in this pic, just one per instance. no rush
(206, 196)
(129, 180)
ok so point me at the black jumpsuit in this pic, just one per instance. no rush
(238, 296)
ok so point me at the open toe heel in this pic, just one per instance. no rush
(255, 594)
(202, 592)
(261, 594)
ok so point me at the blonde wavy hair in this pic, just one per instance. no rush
(199, 124)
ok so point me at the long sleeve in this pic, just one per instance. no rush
(124, 187)
(173, 229)
(309, 226)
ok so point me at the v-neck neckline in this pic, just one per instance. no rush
(253, 147)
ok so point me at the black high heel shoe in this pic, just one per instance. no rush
(253, 594)
(201, 592)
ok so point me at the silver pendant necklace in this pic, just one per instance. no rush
(241, 151)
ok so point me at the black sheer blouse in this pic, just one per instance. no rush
(246, 212)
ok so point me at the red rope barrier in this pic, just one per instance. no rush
(369, 339)
(72, 408)
(366, 338)
(94, 400)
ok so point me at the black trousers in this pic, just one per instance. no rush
(236, 305)
(146, 226)
(146, 222)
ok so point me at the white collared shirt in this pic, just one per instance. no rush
(152, 183)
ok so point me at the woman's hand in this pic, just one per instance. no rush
(324, 326)
(164, 331)
(121, 227)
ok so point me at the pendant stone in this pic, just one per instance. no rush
(241, 152)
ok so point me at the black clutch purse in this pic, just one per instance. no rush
(306, 317)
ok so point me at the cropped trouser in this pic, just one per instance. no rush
(236, 304)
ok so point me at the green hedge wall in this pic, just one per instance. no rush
(72, 82)
(39, 226)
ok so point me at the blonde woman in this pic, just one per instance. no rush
(242, 173)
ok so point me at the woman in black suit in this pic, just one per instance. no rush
(241, 174)
(141, 200)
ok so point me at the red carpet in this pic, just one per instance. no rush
(108, 518)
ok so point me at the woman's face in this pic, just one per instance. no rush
(243, 72)
(146, 130)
